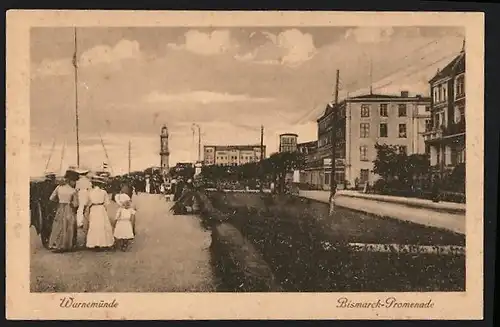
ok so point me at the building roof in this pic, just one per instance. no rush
(233, 147)
(454, 67)
(310, 144)
(395, 97)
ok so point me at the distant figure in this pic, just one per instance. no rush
(48, 208)
(124, 222)
(63, 235)
(435, 190)
(148, 185)
(367, 187)
(100, 233)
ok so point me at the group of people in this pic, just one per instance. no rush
(80, 206)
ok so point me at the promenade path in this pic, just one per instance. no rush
(379, 206)
(170, 254)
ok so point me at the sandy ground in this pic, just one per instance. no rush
(170, 254)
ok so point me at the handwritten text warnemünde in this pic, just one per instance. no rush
(388, 303)
(70, 302)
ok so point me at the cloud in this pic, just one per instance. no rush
(49, 67)
(290, 47)
(202, 97)
(100, 54)
(103, 54)
(369, 34)
(216, 42)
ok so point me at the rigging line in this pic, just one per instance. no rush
(106, 153)
(416, 70)
(62, 157)
(50, 154)
(395, 71)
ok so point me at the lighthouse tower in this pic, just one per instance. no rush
(164, 153)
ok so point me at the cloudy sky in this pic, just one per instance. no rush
(228, 81)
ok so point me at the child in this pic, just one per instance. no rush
(124, 222)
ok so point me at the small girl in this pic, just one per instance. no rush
(124, 222)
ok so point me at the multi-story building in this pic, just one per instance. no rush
(445, 136)
(231, 155)
(309, 149)
(360, 123)
(288, 142)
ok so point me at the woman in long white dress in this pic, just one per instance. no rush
(100, 233)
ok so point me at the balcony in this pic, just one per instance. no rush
(455, 128)
(433, 134)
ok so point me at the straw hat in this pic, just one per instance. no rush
(96, 179)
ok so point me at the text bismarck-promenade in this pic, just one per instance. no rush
(388, 303)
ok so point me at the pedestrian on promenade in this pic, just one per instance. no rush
(48, 208)
(63, 235)
(435, 190)
(148, 184)
(124, 222)
(100, 233)
(83, 185)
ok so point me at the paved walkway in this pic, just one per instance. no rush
(170, 254)
(424, 216)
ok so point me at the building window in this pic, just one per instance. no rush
(364, 130)
(383, 110)
(363, 153)
(427, 149)
(435, 94)
(461, 156)
(427, 108)
(365, 110)
(436, 121)
(340, 177)
(403, 149)
(445, 95)
(402, 130)
(428, 125)
(363, 176)
(327, 178)
(402, 110)
(460, 86)
(340, 151)
(383, 130)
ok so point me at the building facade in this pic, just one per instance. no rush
(288, 142)
(309, 149)
(360, 123)
(164, 152)
(445, 137)
(231, 155)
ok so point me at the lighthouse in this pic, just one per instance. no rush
(164, 153)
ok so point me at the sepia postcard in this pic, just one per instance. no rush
(244, 165)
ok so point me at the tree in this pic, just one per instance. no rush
(397, 169)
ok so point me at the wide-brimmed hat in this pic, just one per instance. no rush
(81, 171)
(71, 175)
(96, 179)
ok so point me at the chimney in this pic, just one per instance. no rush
(404, 94)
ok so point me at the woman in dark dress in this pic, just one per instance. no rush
(63, 235)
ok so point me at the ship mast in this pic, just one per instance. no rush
(75, 65)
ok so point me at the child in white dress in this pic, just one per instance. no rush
(124, 222)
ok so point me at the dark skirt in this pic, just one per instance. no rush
(63, 236)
